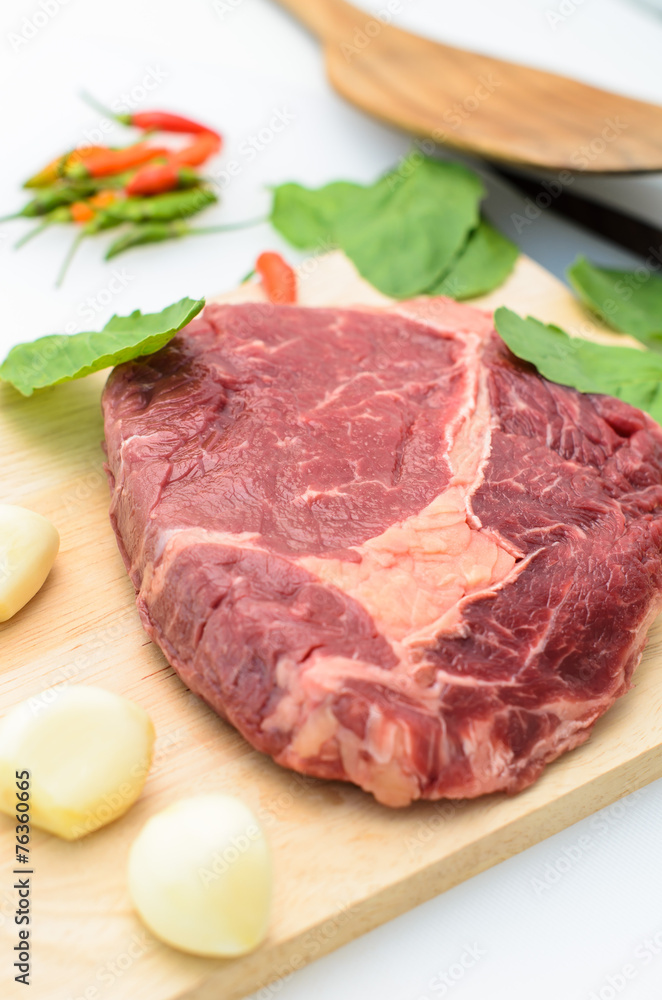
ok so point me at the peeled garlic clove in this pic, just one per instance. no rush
(200, 876)
(88, 752)
(28, 546)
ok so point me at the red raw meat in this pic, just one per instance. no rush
(382, 547)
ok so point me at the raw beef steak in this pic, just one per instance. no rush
(380, 546)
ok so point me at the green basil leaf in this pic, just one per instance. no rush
(307, 218)
(486, 261)
(61, 357)
(625, 300)
(625, 372)
(407, 229)
(402, 233)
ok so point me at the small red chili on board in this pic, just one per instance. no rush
(156, 178)
(195, 154)
(278, 278)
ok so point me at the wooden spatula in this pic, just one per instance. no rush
(477, 104)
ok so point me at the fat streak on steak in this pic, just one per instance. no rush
(382, 547)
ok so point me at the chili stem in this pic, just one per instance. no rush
(229, 226)
(68, 259)
(28, 236)
(98, 106)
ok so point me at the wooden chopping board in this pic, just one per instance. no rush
(343, 863)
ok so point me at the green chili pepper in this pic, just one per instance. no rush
(156, 232)
(152, 232)
(64, 193)
(102, 220)
(163, 207)
(45, 200)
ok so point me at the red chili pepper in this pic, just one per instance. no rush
(278, 278)
(158, 121)
(195, 154)
(161, 121)
(157, 178)
(115, 161)
(152, 121)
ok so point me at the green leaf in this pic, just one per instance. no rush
(307, 218)
(625, 372)
(402, 233)
(484, 264)
(409, 227)
(61, 358)
(626, 300)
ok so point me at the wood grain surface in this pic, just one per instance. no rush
(476, 103)
(343, 863)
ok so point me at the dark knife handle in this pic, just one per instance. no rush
(623, 229)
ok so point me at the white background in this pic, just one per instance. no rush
(561, 919)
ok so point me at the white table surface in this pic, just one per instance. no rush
(578, 916)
